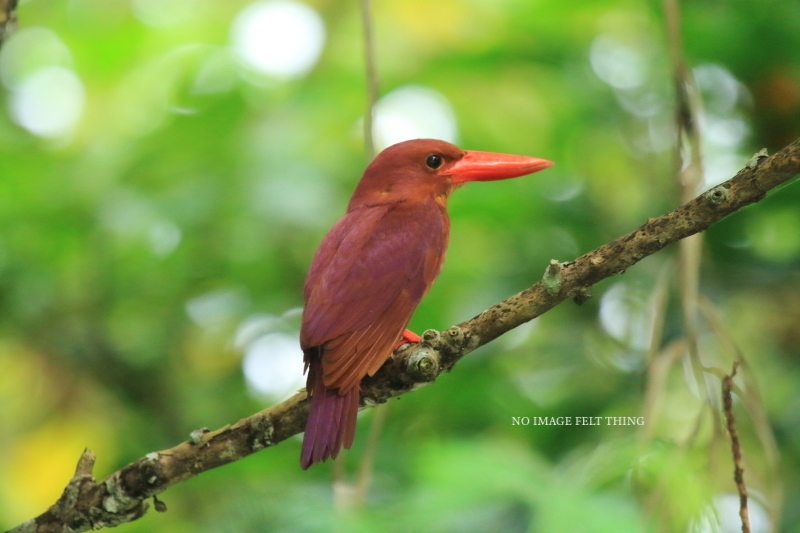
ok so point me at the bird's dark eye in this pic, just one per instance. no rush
(434, 161)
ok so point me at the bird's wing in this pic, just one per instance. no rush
(368, 276)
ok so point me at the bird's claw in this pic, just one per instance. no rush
(406, 337)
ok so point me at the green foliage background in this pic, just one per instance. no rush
(97, 348)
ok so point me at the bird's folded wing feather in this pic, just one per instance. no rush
(366, 279)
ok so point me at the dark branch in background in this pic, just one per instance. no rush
(738, 471)
(121, 497)
(688, 168)
(686, 102)
(8, 19)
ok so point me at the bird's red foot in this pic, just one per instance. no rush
(407, 336)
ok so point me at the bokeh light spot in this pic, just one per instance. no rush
(273, 365)
(49, 103)
(414, 112)
(719, 166)
(216, 307)
(616, 63)
(163, 237)
(624, 315)
(723, 516)
(281, 38)
(163, 13)
(720, 87)
(297, 195)
(28, 51)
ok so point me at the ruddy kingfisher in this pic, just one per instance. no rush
(373, 268)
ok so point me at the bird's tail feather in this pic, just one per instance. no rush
(331, 417)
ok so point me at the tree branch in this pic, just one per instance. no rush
(8, 19)
(121, 497)
(736, 449)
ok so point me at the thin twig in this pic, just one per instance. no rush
(687, 105)
(349, 497)
(8, 19)
(738, 471)
(688, 164)
(121, 497)
(342, 490)
(372, 78)
(753, 397)
(657, 375)
(368, 461)
(658, 361)
(755, 409)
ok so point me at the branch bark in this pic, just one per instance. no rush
(736, 448)
(121, 497)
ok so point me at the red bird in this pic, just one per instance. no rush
(373, 268)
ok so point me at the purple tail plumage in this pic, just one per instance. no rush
(331, 416)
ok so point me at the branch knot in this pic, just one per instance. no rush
(717, 195)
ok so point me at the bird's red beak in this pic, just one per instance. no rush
(488, 166)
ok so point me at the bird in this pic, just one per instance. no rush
(372, 269)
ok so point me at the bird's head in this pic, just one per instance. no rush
(428, 168)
